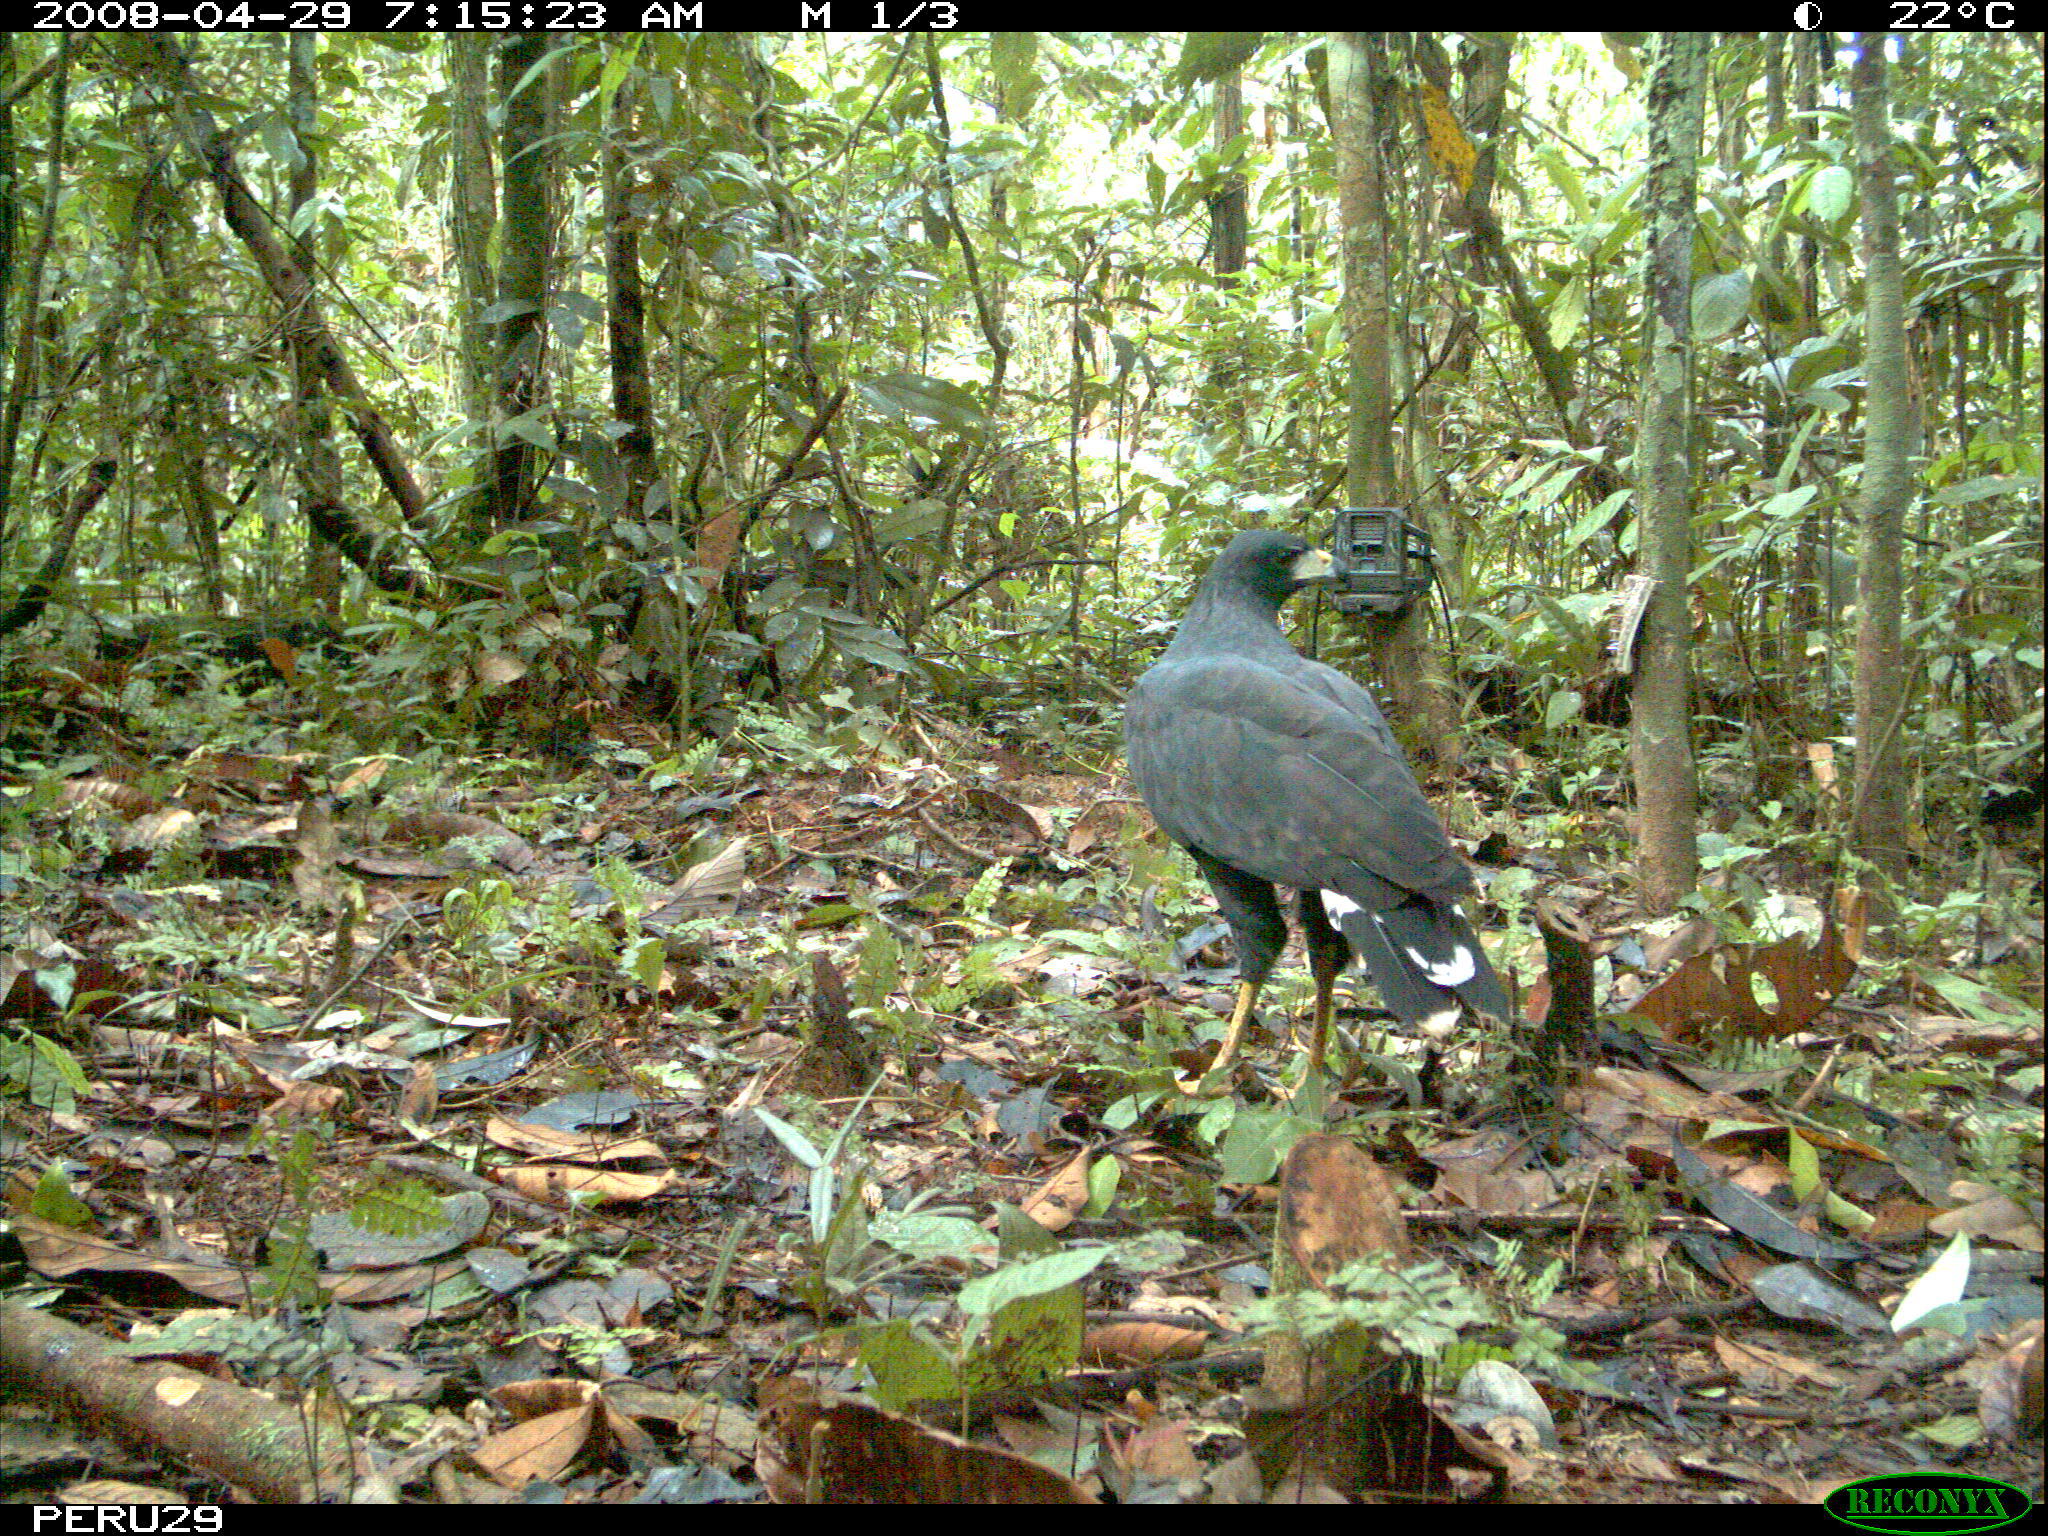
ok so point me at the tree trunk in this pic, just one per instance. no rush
(1667, 857)
(626, 321)
(1878, 821)
(1399, 642)
(318, 459)
(522, 267)
(472, 210)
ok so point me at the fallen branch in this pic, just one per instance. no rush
(245, 1438)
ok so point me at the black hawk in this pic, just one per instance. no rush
(1271, 769)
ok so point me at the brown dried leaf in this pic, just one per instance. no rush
(422, 1095)
(497, 669)
(1718, 987)
(705, 886)
(123, 798)
(107, 1490)
(362, 776)
(1756, 1366)
(2009, 1402)
(1060, 1198)
(1032, 820)
(1159, 1449)
(550, 1141)
(1337, 1206)
(541, 1447)
(558, 1182)
(712, 1424)
(281, 656)
(818, 1446)
(718, 537)
(1141, 1343)
(309, 1101)
(156, 829)
(58, 1251)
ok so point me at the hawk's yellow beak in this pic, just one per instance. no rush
(1314, 565)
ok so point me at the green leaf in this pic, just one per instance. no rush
(913, 394)
(907, 1365)
(1789, 503)
(1973, 1000)
(1207, 56)
(1566, 180)
(56, 983)
(912, 520)
(1034, 1277)
(1255, 1143)
(1954, 1432)
(642, 960)
(876, 647)
(1019, 1237)
(1984, 488)
(1034, 1339)
(620, 60)
(1803, 1163)
(1013, 59)
(1830, 193)
(1565, 624)
(839, 1227)
(1592, 521)
(1564, 705)
(38, 1066)
(830, 915)
(53, 1201)
(798, 1145)
(1568, 313)
(920, 1236)
(1719, 304)
(1104, 1175)
(532, 427)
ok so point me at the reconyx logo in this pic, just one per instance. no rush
(1923, 1502)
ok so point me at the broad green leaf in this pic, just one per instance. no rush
(1566, 180)
(921, 1236)
(54, 1201)
(1013, 60)
(907, 1365)
(1597, 518)
(913, 394)
(1568, 313)
(1034, 1277)
(1719, 304)
(1033, 1339)
(1803, 1164)
(912, 520)
(1976, 1001)
(1019, 1237)
(1789, 503)
(1830, 193)
(1207, 56)
(1257, 1140)
(1104, 1174)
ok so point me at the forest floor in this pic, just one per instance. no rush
(798, 1118)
